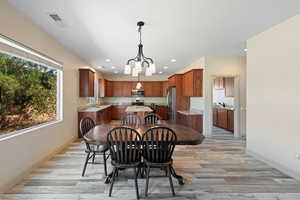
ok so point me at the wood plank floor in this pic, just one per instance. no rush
(215, 170)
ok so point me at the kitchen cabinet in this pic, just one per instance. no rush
(162, 111)
(108, 88)
(126, 89)
(152, 89)
(229, 86)
(86, 83)
(172, 81)
(192, 83)
(230, 121)
(219, 83)
(192, 121)
(165, 87)
(118, 112)
(99, 117)
(215, 116)
(223, 118)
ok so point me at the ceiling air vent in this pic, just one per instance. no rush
(55, 17)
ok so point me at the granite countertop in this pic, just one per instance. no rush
(226, 108)
(93, 108)
(191, 112)
(138, 109)
(130, 104)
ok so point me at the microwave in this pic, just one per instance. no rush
(137, 93)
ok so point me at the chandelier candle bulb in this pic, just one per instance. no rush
(127, 69)
(148, 71)
(152, 68)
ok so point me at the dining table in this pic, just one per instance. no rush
(185, 136)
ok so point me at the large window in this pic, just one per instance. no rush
(30, 93)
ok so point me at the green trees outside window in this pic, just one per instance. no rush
(27, 93)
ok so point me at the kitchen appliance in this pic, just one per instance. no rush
(138, 103)
(137, 93)
(171, 99)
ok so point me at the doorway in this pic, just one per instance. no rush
(228, 103)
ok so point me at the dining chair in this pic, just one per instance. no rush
(131, 120)
(152, 119)
(92, 150)
(125, 149)
(154, 107)
(158, 146)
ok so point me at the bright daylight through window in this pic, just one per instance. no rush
(29, 93)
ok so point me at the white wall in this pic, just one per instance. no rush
(273, 99)
(20, 153)
(219, 96)
(225, 67)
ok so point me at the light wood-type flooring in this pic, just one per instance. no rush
(218, 169)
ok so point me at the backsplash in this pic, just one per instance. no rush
(197, 103)
(219, 96)
(128, 100)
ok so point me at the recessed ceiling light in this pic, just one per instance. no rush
(116, 72)
(166, 67)
(160, 72)
(246, 50)
(173, 60)
(113, 67)
(100, 67)
(107, 60)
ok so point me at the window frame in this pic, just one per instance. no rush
(59, 100)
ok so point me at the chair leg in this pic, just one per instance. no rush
(170, 179)
(94, 155)
(136, 184)
(112, 181)
(104, 162)
(147, 181)
(85, 164)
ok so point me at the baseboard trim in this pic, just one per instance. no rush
(24, 174)
(276, 165)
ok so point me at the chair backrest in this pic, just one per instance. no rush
(152, 118)
(131, 120)
(86, 124)
(159, 144)
(153, 107)
(124, 144)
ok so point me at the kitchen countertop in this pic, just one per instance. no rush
(191, 112)
(93, 108)
(138, 109)
(226, 108)
(130, 104)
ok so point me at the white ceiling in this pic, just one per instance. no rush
(182, 29)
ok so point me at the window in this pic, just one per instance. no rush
(30, 89)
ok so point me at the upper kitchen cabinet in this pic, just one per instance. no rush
(192, 83)
(108, 88)
(219, 83)
(152, 89)
(126, 89)
(229, 86)
(172, 81)
(86, 83)
(165, 86)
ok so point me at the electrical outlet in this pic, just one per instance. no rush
(298, 156)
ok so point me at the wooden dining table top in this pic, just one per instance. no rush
(185, 135)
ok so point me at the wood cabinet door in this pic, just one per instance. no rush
(215, 116)
(127, 87)
(156, 88)
(116, 89)
(86, 83)
(229, 86)
(230, 117)
(198, 83)
(222, 118)
(147, 89)
(188, 84)
(165, 88)
(172, 81)
(108, 88)
(91, 83)
(219, 83)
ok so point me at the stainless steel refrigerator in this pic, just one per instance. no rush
(171, 99)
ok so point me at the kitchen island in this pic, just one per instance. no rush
(141, 111)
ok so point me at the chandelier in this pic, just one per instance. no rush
(135, 65)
